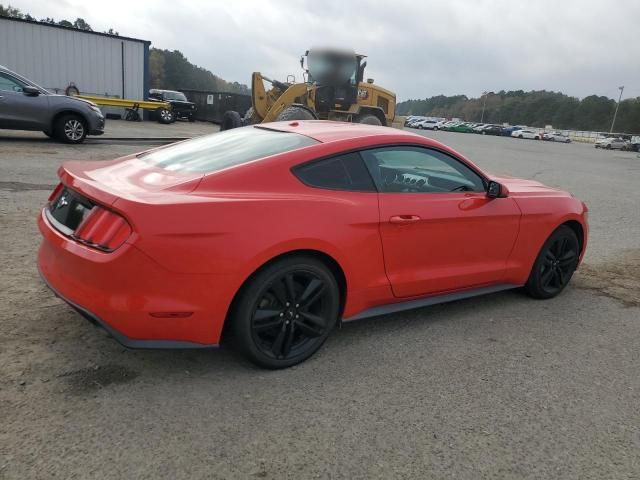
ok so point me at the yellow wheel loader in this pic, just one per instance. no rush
(333, 89)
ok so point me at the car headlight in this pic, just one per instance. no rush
(95, 109)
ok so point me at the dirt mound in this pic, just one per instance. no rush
(618, 278)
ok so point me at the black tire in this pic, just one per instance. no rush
(556, 262)
(70, 128)
(286, 312)
(250, 117)
(520, 137)
(369, 119)
(295, 113)
(165, 116)
(192, 118)
(230, 119)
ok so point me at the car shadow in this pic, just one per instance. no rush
(157, 365)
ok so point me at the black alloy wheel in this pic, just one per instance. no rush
(286, 312)
(555, 265)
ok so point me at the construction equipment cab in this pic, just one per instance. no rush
(334, 89)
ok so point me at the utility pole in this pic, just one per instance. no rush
(617, 106)
(484, 104)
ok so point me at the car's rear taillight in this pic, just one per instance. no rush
(102, 229)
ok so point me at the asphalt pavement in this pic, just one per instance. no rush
(500, 386)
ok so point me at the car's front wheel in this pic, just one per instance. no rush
(70, 128)
(165, 115)
(286, 312)
(556, 262)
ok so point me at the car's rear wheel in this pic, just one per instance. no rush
(520, 136)
(286, 312)
(556, 262)
(70, 128)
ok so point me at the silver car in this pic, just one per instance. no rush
(613, 144)
(27, 106)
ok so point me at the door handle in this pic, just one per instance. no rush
(404, 219)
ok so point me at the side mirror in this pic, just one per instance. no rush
(30, 91)
(496, 190)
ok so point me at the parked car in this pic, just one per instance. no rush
(492, 130)
(530, 134)
(507, 131)
(425, 124)
(180, 106)
(277, 232)
(611, 143)
(25, 105)
(556, 137)
(462, 127)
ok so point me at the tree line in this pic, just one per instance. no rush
(535, 108)
(78, 23)
(171, 70)
(168, 69)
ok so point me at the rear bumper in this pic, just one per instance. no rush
(133, 297)
(123, 339)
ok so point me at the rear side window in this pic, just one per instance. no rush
(343, 172)
(211, 153)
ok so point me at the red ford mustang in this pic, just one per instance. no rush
(280, 231)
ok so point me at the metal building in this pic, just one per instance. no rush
(55, 57)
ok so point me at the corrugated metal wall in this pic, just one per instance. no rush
(54, 57)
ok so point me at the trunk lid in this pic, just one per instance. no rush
(130, 178)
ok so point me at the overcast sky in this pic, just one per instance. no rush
(417, 48)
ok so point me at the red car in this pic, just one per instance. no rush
(281, 231)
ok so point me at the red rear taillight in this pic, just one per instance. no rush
(103, 229)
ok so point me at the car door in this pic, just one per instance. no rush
(18, 110)
(440, 232)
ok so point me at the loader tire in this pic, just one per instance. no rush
(230, 119)
(250, 117)
(370, 120)
(295, 113)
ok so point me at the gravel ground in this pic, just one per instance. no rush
(500, 386)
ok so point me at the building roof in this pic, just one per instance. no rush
(44, 24)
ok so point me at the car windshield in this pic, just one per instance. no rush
(175, 96)
(211, 153)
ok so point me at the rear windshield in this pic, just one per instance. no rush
(211, 153)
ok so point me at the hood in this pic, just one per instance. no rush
(521, 185)
(82, 100)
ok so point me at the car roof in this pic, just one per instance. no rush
(327, 131)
